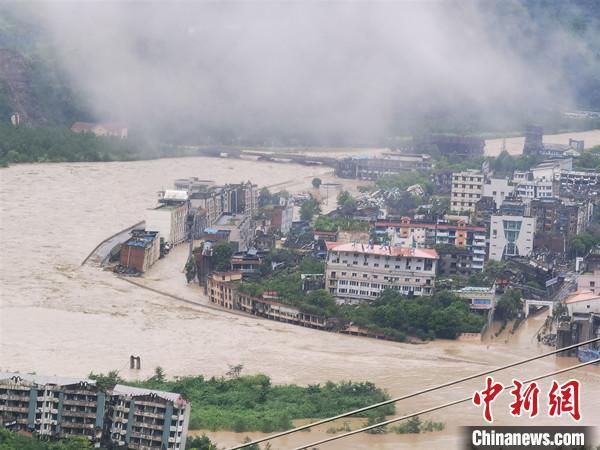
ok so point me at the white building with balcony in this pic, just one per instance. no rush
(357, 272)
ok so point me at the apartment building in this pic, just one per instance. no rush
(127, 417)
(408, 233)
(467, 189)
(511, 236)
(146, 419)
(563, 216)
(534, 189)
(221, 288)
(356, 272)
(52, 406)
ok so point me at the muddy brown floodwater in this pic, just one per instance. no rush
(57, 317)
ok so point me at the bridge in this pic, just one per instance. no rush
(531, 302)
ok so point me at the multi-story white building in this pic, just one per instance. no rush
(535, 189)
(467, 189)
(498, 189)
(357, 272)
(511, 236)
(169, 220)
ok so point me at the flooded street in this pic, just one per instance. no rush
(57, 317)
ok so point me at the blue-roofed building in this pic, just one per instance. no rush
(141, 250)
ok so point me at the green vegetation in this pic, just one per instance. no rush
(325, 223)
(26, 145)
(583, 242)
(252, 403)
(443, 315)
(346, 203)
(316, 183)
(309, 209)
(505, 164)
(509, 305)
(287, 283)
(414, 425)
(200, 443)
(589, 160)
(403, 180)
(221, 257)
(13, 441)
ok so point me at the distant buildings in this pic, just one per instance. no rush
(534, 145)
(467, 189)
(449, 145)
(100, 129)
(141, 250)
(127, 417)
(511, 235)
(356, 272)
(366, 168)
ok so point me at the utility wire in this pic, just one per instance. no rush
(435, 408)
(413, 394)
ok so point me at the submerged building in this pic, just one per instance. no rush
(125, 417)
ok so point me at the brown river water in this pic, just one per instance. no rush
(57, 317)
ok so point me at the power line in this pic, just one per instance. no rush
(413, 394)
(435, 408)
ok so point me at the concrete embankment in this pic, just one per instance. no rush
(101, 252)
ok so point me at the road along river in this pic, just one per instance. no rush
(57, 317)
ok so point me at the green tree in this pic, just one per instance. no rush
(509, 305)
(316, 182)
(309, 209)
(221, 257)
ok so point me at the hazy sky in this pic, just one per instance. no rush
(300, 68)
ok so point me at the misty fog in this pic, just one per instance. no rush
(332, 71)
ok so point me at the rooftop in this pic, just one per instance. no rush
(131, 391)
(582, 296)
(45, 379)
(383, 250)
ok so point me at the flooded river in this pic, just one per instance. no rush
(57, 317)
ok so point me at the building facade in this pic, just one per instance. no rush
(356, 272)
(141, 250)
(52, 406)
(148, 419)
(511, 236)
(498, 189)
(480, 298)
(408, 233)
(221, 288)
(127, 417)
(365, 168)
(467, 189)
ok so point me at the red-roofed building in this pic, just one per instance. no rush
(357, 272)
(100, 129)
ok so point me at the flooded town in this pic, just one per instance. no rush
(224, 279)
